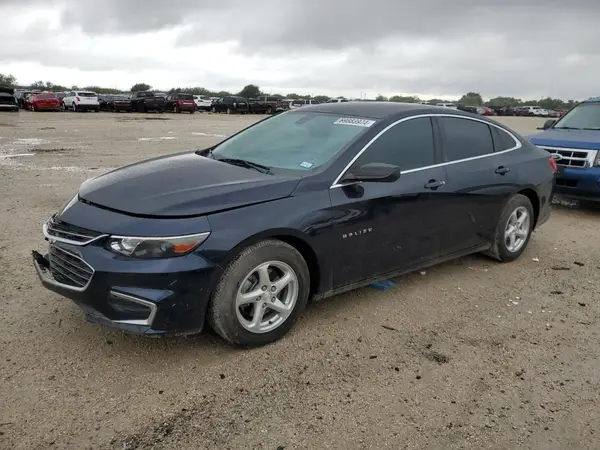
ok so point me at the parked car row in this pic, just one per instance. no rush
(145, 101)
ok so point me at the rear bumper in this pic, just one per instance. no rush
(47, 107)
(579, 183)
(87, 107)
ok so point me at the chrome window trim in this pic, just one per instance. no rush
(52, 238)
(141, 322)
(518, 145)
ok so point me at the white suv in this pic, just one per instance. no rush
(535, 111)
(81, 101)
(202, 102)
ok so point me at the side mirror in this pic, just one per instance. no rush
(373, 172)
(548, 124)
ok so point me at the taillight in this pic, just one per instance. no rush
(77, 99)
(553, 164)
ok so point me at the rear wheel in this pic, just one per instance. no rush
(74, 107)
(177, 109)
(228, 110)
(260, 295)
(513, 231)
(213, 109)
(269, 110)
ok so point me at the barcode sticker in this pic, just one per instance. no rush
(354, 121)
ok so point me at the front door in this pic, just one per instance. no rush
(383, 227)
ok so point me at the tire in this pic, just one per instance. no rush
(228, 110)
(192, 111)
(232, 322)
(141, 108)
(213, 110)
(33, 107)
(517, 205)
(74, 107)
(269, 110)
(176, 109)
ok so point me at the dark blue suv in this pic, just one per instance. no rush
(574, 142)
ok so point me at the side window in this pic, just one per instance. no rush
(502, 140)
(408, 145)
(465, 138)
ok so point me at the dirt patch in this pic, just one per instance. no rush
(53, 150)
(141, 119)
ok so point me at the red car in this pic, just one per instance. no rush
(487, 111)
(44, 101)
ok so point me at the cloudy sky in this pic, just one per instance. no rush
(431, 48)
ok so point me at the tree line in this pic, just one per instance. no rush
(253, 91)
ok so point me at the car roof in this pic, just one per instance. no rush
(378, 110)
(592, 100)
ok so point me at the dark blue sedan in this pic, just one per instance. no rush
(305, 204)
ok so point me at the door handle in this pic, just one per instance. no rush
(434, 184)
(502, 170)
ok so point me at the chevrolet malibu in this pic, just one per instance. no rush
(303, 205)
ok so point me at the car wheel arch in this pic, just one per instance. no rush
(296, 239)
(534, 198)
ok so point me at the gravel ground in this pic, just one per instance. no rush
(471, 354)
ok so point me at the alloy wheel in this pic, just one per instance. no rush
(267, 297)
(517, 229)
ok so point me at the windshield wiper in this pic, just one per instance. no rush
(245, 163)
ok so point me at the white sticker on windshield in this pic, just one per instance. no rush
(306, 164)
(354, 121)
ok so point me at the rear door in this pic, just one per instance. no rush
(479, 182)
(387, 226)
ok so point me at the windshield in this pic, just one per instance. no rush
(585, 116)
(294, 141)
(86, 94)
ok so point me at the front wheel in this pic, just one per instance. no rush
(513, 231)
(213, 110)
(228, 110)
(261, 294)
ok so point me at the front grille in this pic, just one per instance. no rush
(571, 157)
(62, 230)
(68, 268)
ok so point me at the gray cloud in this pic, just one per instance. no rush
(527, 49)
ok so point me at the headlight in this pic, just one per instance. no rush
(597, 161)
(155, 247)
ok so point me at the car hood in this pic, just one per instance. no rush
(581, 139)
(183, 185)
